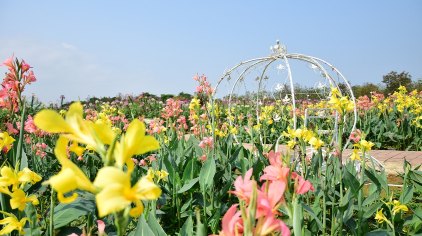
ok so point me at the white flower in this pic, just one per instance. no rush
(279, 87)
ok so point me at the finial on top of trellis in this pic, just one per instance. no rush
(278, 48)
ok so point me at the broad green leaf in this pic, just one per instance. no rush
(206, 176)
(66, 213)
(379, 233)
(188, 185)
(351, 182)
(155, 226)
(187, 228)
(190, 170)
(406, 194)
(311, 213)
(348, 214)
(371, 198)
(373, 178)
(370, 210)
(143, 229)
(23, 160)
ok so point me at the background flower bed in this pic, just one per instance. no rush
(201, 178)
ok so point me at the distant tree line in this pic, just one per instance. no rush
(390, 83)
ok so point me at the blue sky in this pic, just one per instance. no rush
(102, 48)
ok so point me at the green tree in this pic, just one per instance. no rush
(365, 89)
(393, 81)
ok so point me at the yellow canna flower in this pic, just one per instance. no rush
(399, 207)
(133, 142)
(355, 155)
(161, 175)
(118, 194)
(380, 217)
(9, 177)
(18, 199)
(316, 143)
(291, 144)
(75, 128)
(194, 104)
(6, 141)
(365, 145)
(28, 176)
(70, 176)
(12, 223)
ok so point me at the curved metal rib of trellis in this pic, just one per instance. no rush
(281, 54)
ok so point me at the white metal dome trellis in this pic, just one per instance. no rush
(279, 53)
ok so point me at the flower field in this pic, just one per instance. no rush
(144, 165)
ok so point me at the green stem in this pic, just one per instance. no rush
(297, 217)
(360, 194)
(51, 226)
(17, 159)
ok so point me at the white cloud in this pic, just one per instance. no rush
(60, 68)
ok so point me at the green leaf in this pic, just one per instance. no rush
(188, 185)
(155, 226)
(206, 176)
(348, 214)
(347, 198)
(23, 160)
(373, 178)
(371, 210)
(187, 228)
(371, 198)
(407, 194)
(351, 182)
(66, 213)
(31, 213)
(190, 170)
(311, 213)
(379, 233)
(143, 229)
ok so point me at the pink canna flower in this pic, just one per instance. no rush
(270, 224)
(203, 158)
(302, 186)
(355, 136)
(24, 66)
(273, 173)
(29, 125)
(270, 201)
(244, 186)
(275, 158)
(207, 142)
(142, 162)
(101, 227)
(11, 129)
(9, 62)
(232, 223)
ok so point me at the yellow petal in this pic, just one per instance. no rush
(146, 189)
(28, 176)
(136, 141)
(75, 110)
(18, 200)
(148, 143)
(66, 200)
(51, 121)
(75, 148)
(8, 177)
(111, 200)
(64, 181)
(77, 175)
(137, 210)
(111, 175)
(11, 225)
(104, 133)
